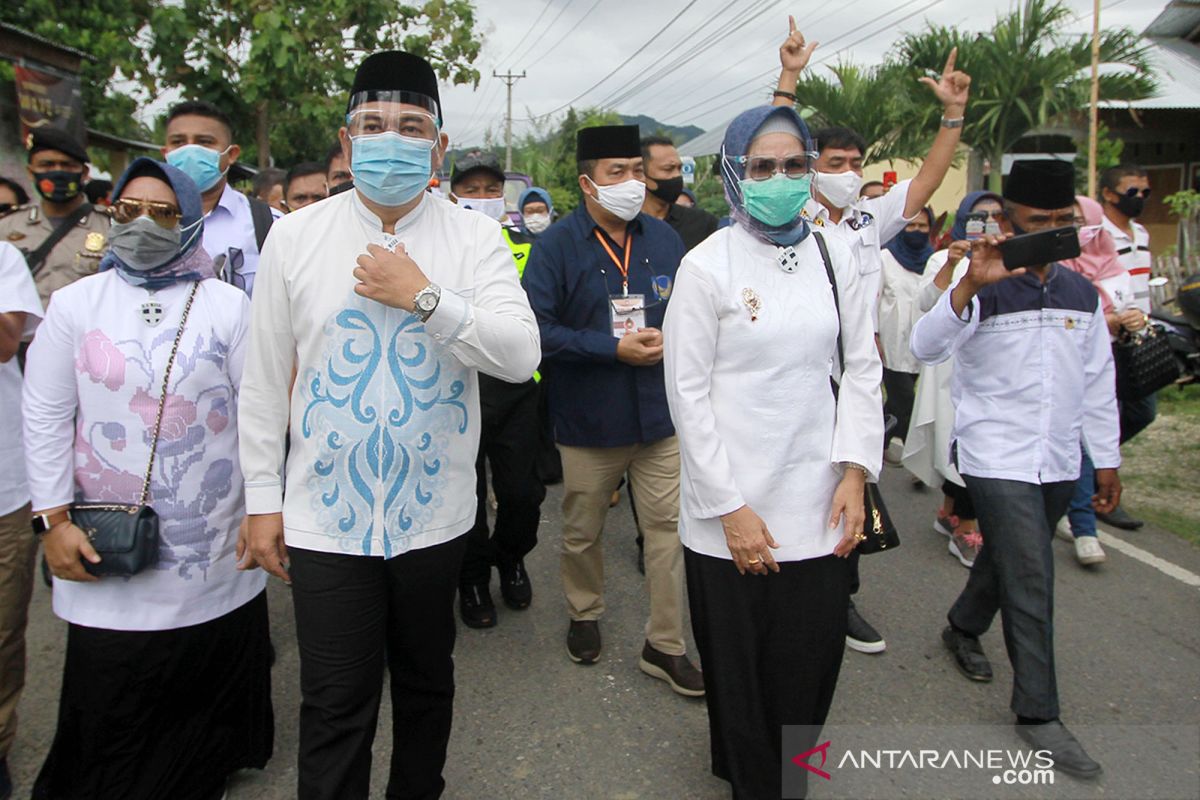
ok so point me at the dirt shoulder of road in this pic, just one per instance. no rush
(1161, 469)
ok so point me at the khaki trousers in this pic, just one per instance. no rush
(18, 547)
(590, 475)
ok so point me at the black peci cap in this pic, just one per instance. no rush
(608, 141)
(394, 71)
(1041, 183)
(55, 139)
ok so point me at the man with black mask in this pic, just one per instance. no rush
(62, 237)
(664, 184)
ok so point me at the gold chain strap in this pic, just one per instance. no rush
(162, 400)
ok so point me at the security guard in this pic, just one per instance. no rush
(508, 439)
(57, 165)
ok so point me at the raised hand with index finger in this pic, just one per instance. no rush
(952, 88)
(794, 53)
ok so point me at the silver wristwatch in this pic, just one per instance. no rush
(956, 122)
(426, 301)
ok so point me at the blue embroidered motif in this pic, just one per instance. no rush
(382, 416)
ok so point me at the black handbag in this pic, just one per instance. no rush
(1144, 362)
(878, 528)
(126, 536)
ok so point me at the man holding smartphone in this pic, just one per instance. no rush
(1034, 375)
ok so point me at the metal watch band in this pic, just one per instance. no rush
(957, 122)
(432, 290)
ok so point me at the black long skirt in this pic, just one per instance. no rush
(771, 648)
(150, 715)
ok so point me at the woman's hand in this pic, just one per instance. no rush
(848, 507)
(956, 252)
(749, 541)
(1131, 319)
(65, 544)
(795, 53)
(245, 559)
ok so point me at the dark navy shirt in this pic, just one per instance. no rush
(596, 400)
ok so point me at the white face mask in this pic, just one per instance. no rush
(536, 223)
(492, 207)
(839, 188)
(623, 199)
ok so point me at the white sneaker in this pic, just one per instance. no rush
(1063, 530)
(894, 453)
(1088, 551)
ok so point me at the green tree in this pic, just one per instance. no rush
(1108, 154)
(548, 156)
(1026, 72)
(108, 31)
(870, 100)
(282, 69)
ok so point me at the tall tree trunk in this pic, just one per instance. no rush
(996, 176)
(262, 135)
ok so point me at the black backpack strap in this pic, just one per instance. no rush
(37, 259)
(260, 212)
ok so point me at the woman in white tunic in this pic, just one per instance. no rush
(166, 687)
(773, 466)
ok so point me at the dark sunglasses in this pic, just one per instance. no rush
(128, 209)
(1133, 191)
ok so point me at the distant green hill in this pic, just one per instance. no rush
(649, 125)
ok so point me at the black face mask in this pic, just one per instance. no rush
(7, 208)
(58, 186)
(668, 189)
(1131, 205)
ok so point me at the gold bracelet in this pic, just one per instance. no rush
(849, 465)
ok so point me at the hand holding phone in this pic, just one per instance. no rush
(1041, 248)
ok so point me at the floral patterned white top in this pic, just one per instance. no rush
(92, 384)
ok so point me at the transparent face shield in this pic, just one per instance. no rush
(409, 114)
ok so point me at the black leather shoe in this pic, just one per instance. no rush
(515, 587)
(1068, 754)
(968, 655)
(679, 673)
(1119, 519)
(6, 787)
(476, 607)
(583, 641)
(860, 635)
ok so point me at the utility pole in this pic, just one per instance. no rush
(509, 79)
(1094, 106)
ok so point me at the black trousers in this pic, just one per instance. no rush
(963, 507)
(901, 390)
(771, 647)
(353, 613)
(1014, 575)
(509, 441)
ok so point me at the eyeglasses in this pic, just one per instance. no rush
(1133, 191)
(128, 209)
(414, 124)
(761, 168)
(229, 267)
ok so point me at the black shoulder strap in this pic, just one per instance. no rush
(837, 306)
(260, 212)
(37, 258)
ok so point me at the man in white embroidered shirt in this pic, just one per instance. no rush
(1033, 375)
(389, 300)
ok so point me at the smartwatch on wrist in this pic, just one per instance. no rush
(42, 523)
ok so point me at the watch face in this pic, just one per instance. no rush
(426, 302)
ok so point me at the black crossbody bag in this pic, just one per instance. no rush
(126, 536)
(878, 527)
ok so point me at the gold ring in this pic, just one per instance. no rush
(860, 537)
(755, 562)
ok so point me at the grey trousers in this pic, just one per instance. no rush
(1014, 574)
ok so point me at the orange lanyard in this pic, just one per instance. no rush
(623, 267)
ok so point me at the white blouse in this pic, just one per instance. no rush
(751, 398)
(899, 310)
(92, 383)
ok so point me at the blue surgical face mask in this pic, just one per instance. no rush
(390, 169)
(199, 163)
(777, 200)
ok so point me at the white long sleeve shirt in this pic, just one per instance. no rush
(751, 398)
(17, 294)
(1033, 374)
(92, 384)
(384, 413)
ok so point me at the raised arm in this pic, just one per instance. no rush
(794, 55)
(952, 90)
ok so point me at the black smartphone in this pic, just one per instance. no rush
(1043, 247)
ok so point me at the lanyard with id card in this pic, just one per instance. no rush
(627, 312)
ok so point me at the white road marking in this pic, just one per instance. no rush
(1162, 565)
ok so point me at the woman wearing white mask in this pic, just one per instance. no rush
(537, 210)
(764, 314)
(131, 398)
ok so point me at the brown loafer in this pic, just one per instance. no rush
(677, 671)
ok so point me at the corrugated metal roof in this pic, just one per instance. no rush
(1178, 74)
(1178, 19)
(47, 42)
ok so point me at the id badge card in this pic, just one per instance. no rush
(628, 313)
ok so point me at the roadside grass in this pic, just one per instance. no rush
(1161, 466)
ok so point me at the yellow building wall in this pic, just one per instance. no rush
(948, 195)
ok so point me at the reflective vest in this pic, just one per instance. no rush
(520, 251)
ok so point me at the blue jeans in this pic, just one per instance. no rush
(1081, 514)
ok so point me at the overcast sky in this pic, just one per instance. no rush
(564, 57)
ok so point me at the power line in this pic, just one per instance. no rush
(622, 65)
(528, 31)
(524, 55)
(557, 44)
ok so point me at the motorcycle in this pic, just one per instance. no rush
(1183, 330)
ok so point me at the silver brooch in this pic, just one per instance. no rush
(151, 313)
(753, 302)
(788, 259)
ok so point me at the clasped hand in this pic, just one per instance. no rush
(391, 278)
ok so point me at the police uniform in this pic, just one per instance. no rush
(76, 255)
